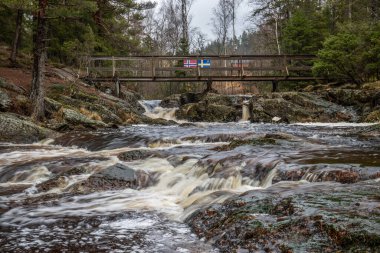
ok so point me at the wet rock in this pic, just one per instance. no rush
(295, 217)
(251, 142)
(132, 100)
(207, 113)
(217, 99)
(172, 101)
(159, 121)
(5, 101)
(136, 155)
(118, 172)
(17, 129)
(75, 118)
(56, 182)
(291, 107)
(116, 177)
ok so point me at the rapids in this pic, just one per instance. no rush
(50, 200)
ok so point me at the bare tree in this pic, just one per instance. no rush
(222, 22)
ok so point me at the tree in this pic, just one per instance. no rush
(354, 54)
(301, 36)
(19, 6)
(221, 23)
(39, 58)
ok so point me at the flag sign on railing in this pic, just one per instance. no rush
(188, 63)
(204, 64)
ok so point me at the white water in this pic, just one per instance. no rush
(190, 175)
(154, 111)
(246, 113)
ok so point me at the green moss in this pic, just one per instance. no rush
(85, 97)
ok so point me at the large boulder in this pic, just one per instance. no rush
(203, 112)
(294, 107)
(132, 100)
(17, 129)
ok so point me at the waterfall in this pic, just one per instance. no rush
(246, 114)
(155, 111)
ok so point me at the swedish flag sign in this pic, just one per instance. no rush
(205, 63)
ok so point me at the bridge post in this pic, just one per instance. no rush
(274, 86)
(113, 66)
(153, 69)
(209, 86)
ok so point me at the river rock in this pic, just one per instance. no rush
(292, 107)
(207, 112)
(132, 100)
(295, 217)
(172, 101)
(17, 129)
(136, 155)
(115, 177)
(56, 182)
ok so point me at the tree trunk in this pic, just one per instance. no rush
(185, 28)
(39, 58)
(16, 38)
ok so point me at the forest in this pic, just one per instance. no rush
(343, 33)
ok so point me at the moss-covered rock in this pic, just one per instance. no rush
(207, 112)
(77, 119)
(291, 107)
(373, 117)
(17, 129)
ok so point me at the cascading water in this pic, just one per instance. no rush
(246, 113)
(155, 111)
(131, 189)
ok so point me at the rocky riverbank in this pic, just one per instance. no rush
(68, 106)
(334, 105)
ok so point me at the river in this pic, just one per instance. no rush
(65, 195)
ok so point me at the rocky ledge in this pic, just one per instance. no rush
(295, 217)
(335, 105)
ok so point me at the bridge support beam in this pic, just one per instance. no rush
(274, 86)
(209, 86)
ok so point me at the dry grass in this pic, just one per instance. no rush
(90, 114)
(372, 86)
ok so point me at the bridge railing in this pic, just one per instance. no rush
(217, 68)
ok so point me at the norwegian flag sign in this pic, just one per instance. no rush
(187, 63)
(205, 64)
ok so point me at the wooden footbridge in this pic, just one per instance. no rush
(201, 68)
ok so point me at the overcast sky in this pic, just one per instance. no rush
(202, 11)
